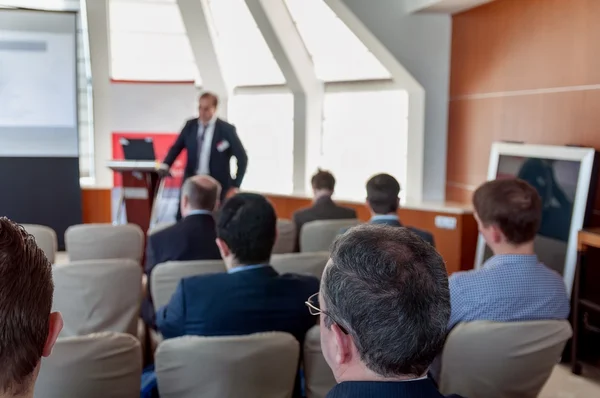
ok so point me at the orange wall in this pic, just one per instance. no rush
(549, 47)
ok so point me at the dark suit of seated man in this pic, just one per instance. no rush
(384, 305)
(193, 238)
(251, 297)
(383, 201)
(323, 208)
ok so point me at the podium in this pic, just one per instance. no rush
(141, 187)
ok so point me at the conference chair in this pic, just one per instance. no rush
(46, 239)
(318, 375)
(98, 296)
(301, 263)
(286, 237)
(260, 365)
(166, 276)
(94, 366)
(104, 241)
(317, 236)
(501, 360)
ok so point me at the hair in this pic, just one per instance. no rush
(26, 290)
(382, 193)
(323, 180)
(511, 204)
(248, 225)
(211, 96)
(389, 289)
(201, 196)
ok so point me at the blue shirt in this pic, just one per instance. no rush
(384, 217)
(246, 268)
(200, 211)
(508, 288)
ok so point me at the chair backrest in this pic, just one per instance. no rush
(98, 296)
(166, 276)
(501, 360)
(46, 239)
(318, 375)
(286, 237)
(317, 236)
(260, 365)
(104, 241)
(301, 263)
(93, 366)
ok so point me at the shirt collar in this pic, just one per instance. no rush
(511, 259)
(246, 268)
(210, 123)
(385, 217)
(199, 211)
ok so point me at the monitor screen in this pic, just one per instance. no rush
(556, 182)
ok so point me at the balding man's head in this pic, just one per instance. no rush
(199, 193)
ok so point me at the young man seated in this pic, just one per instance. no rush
(512, 285)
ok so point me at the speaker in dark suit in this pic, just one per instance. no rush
(210, 143)
(193, 238)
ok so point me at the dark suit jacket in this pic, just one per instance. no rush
(193, 238)
(219, 161)
(245, 302)
(377, 389)
(323, 209)
(426, 236)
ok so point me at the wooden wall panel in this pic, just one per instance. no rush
(96, 204)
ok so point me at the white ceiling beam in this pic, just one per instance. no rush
(290, 53)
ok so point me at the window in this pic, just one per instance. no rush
(337, 53)
(264, 123)
(148, 41)
(364, 133)
(244, 55)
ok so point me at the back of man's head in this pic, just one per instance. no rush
(388, 289)
(382, 194)
(323, 181)
(512, 205)
(247, 224)
(200, 193)
(26, 328)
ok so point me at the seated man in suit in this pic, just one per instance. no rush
(383, 201)
(384, 306)
(251, 297)
(323, 208)
(193, 238)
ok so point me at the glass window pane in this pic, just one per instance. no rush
(364, 133)
(136, 16)
(268, 139)
(337, 53)
(243, 52)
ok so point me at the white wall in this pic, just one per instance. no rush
(421, 43)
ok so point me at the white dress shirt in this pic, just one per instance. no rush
(204, 152)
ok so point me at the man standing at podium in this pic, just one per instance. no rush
(210, 143)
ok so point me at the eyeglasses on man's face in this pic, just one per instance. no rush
(315, 309)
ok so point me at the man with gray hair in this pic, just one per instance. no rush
(384, 306)
(193, 238)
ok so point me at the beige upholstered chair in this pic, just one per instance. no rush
(501, 360)
(319, 378)
(98, 296)
(286, 237)
(301, 263)
(255, 366)
(166, 276)
(93, 366)
(46, 239)
(317, 236)
(104, 241)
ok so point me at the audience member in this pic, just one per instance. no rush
(193, 238)
(323, 208)
(512, 285)
(27, 327)
(384, 306)
(251, 297)
(383, 200)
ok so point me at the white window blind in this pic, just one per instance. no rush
(264, 123)
(364, 133)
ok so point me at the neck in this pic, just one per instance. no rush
(365, 374)
(507, 248)
(323, 193)
(391, 214)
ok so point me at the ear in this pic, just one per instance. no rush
(497, 235)
(344, 345)
(223, 248)
(55, 323)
